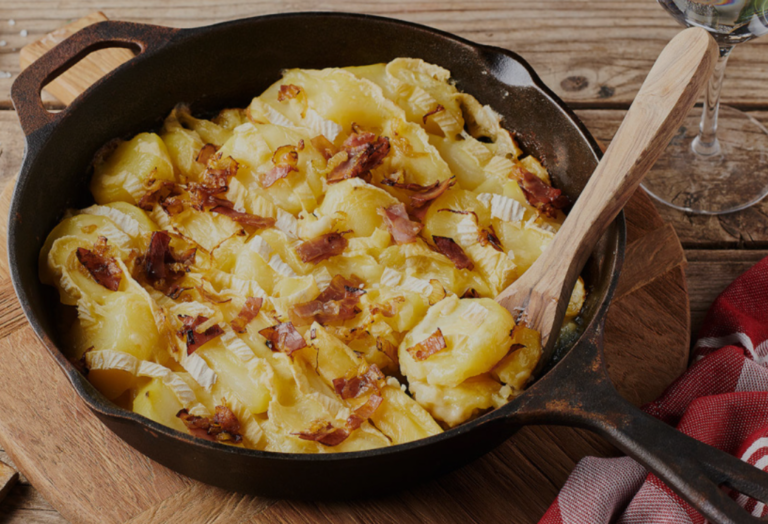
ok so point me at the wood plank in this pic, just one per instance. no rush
(589, 52)
(204, 504)
(8, 479)
(748, 228)
(118, 473)
(69, 85)
(710, 272)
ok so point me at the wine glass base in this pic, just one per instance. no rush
(732, 179)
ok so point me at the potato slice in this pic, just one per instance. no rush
(476, 333)
(156, 401)
(457, 404)
(401, 419)
(121, 175)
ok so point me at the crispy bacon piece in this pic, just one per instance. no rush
(163, 192)
(364, 412)
(324, 312)
(215, 181)
(227, 420)
(488, 236)
(471, 293)
(324, 146)
(338, 302)
(218, 173)
(250, 309)
(205, 153)
(540, 195)
(322, 248)
(100, 265)
(285, 160)
(324, 433)
(359, 384)
(245, 219)
(436, 110)
(283, 338)
(341, 287)
(365, 151)
(428, 347)
(223, 427)
(193, 338)
(287, 92)
(161, 266)
(449, 248)
(402, 229)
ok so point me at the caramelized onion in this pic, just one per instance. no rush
(488, 236)
(428, 347)
(324, 146)
(471, 293)
(364, 412)
(205, 153)
(285, 160)
(388, 348)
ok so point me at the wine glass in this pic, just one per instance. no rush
(718, 161)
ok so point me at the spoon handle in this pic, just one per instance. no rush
(666, 96)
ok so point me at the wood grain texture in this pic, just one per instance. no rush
(540, 295)
(516, 482)
(77, 79)
(8, 479)
(590, 52)
(744, 229)
(57, 441)
(203, 504)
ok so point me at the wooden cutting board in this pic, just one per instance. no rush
(91, 476)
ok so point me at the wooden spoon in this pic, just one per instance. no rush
(540, 296)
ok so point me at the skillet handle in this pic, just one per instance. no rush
(578, 392)
(25, 91)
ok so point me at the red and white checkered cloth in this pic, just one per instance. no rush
(722, 400)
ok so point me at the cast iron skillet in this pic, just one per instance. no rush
(224, 66)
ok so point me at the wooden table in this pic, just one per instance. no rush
(593, 54)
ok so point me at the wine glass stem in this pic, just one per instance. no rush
(705, 143)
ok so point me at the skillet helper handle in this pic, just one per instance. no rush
(578, 392)
(26, 89)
